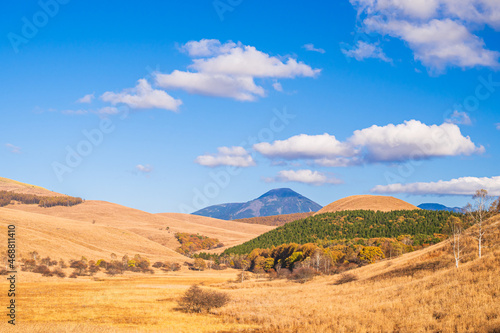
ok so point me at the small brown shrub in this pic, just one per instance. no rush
(196, 299)
(345, 278)
(303, 274)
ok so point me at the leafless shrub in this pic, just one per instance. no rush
(345, 278)
(196, 299)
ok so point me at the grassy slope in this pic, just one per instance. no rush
(150, 227)
(15, 186)
(367, 202)
(417, 292)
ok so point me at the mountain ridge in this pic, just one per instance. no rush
(274, 202)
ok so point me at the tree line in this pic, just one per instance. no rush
(6, 197)
(420, 225)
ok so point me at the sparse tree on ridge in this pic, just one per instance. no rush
(479, 213)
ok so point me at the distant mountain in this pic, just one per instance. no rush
(275, 202)
(436, 206)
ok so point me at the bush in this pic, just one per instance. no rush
(42, 269)
(196, 299)
(303, 274)
(58, 272)
(346, 278)
(158, 264)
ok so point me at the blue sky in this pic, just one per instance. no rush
(191, 104)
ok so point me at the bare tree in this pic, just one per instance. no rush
(456, 233)
(479, 211)
(317, 256)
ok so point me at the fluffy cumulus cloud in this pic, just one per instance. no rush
(441, 33)
(305, 146)
(412, 140)
(363, 50)
(304, 176)
(230, 70)
(390, 143)
(86, 99)
(458, 186)
(143, 96)
(232, 156)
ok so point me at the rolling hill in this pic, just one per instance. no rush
(99, 228)
(367, 202)
(275, 202)
(18, 187)
(349, 225)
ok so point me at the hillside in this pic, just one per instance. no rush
(276, 220)
(436, 206)
(367, 202)
(348, 225)
(18, 187)
(159, 228)
(275, 202)
(64, 238)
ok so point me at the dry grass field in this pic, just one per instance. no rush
(159, 228)
(15, 186)
(367, 202)
(130, 303)
(417, 292)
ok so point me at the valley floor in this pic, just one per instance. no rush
(418, 292)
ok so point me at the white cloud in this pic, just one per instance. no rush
(13, 149)
(440, 32)
(458, 186)
(144, 168)
(277, 86)
(304, 176)
(310, 47)
(412, 140)
(498, 126)
(86, 99)
(143, 96)
(305, 146)
(206, 47)
(364, 50)
(459, 118)
(74, 112)
(240, 88)
(390, 143)
(108, 110)
(233, 156)
(229, 70)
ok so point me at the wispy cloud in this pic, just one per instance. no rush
(144, 168)
(13, 149)
(459, 118)
(86, 99)
(364, 50)
(304, 176)
(233, 156)
(78, 112)
(439, 32)
(458, 186)
(310, 47)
